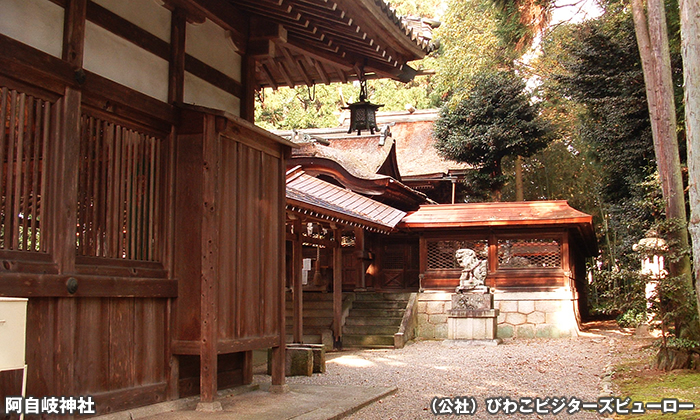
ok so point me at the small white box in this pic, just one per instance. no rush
(13, 326)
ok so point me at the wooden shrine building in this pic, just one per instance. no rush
(142, 213)
(535, 252)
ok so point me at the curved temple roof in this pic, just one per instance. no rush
(323, 41)
(308, 194)
(503, 214)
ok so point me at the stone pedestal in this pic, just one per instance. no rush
(301, 359)
(472, 317)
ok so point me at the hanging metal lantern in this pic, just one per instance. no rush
(363, 113)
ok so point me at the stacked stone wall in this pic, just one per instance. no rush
(521, 314)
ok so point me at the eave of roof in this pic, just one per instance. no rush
(505, 215)
(495, 214)
(328, 41)
(323, 200)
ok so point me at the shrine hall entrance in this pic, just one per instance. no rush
(399, 262)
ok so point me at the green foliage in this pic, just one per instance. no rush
(301, 107)
(468, 45)
(617, 292)
(632, 318)
(601, 70)
(321, 105)
(680, 343)
(497, 119)
(422, 8)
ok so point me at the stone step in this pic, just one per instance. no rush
(380, 320)
(307, 331)
(313, 320)
(370, 329)
(365, 296)
(380, 304)
(312, 304)
(376, 313)
(307, 338)
(318, 297)
(311, 313)
(368, 340)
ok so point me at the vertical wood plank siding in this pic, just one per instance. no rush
(119, 209)
(249, 184)
(24, 140)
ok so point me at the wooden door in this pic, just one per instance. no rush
(399, 265)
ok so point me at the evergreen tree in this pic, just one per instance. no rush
(497, 119)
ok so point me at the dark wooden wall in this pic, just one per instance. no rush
(228, 251)
(110, 337)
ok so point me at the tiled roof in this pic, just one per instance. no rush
(306, 193)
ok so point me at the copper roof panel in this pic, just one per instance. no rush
(328, 199)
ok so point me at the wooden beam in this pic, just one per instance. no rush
(151, 43)
(337, 291)
(321, 72)
(54, 285)
(74, 32)
(244, 344)
(297, 65)
(262, 29)
(261, 48)
(213, 76)
(193, 13)
(121, 27)
(297, 292)
(282, 69)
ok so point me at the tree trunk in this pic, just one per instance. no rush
(690, 49)
(519, 194)
(652, 40)
(496, 186)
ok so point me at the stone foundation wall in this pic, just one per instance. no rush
(521, 314)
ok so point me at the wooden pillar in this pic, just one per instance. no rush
(176, 76)
(566, 262)
(248, 62)
(210, 269)
(337, 290)
(278, 353)
(65, 192)
(297, 292)
(74, 32)
(493, 259)
(360, 246)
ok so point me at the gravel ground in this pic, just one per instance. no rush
(515, 369)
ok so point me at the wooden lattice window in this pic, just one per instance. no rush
(529, 253)
(24, 139)
(119, 191)
(441, 254)
(394, 258)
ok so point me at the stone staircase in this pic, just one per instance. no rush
(318, 318)
(374, 319)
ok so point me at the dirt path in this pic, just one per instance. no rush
(565, 369)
